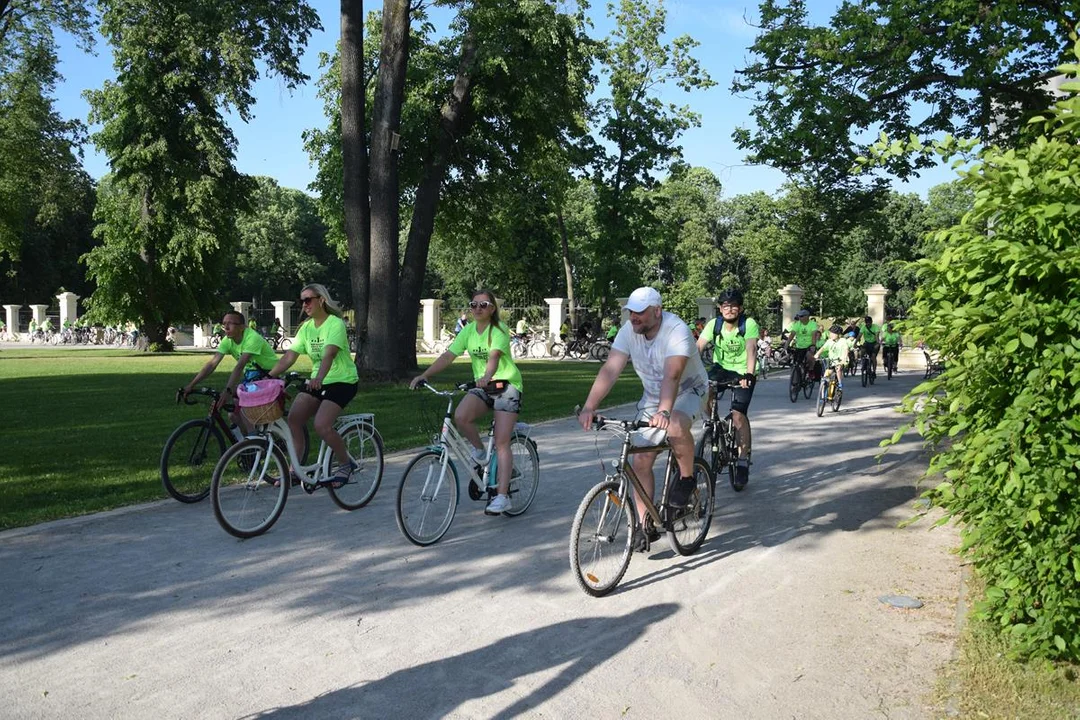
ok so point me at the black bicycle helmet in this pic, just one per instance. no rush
(836, 329)
(731, 295)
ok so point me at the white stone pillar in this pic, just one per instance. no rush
(243, 308)
(556, 315)
(875, 302)
(69, 307)
(283, 312)
(624, 314)
(792, 296)
(200, 335)
(432, 319)
(12, 312)
(706, 308)
(39, 313)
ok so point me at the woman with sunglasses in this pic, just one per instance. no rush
(498, 388)
(324, 339)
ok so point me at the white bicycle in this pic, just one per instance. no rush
(427, 498)
(251, 480)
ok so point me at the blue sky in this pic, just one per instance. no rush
(271, 143)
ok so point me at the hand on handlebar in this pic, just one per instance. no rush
(585, 417)
(417, 382)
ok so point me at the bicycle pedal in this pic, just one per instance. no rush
(474, 491)
(308, 487)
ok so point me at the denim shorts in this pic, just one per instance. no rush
(509, 400)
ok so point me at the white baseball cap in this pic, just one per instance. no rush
(642, 298)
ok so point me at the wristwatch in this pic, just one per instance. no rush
(665, 413)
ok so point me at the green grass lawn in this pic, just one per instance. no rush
(83, 429)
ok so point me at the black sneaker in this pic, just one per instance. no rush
(742, 476)
(643, 538)
(680, 494)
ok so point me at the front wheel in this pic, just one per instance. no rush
(796, 383)
(365, 447)
(526, 474)
(690, 525)
(821, 398)
(557, 351)
(427, 498)
(188, 460)
(865, 373)
(601, 538)
(808, 387)
(250, 487)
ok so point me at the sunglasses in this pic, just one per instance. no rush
(306, 300)
(483, 305)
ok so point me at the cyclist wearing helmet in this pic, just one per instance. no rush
(734, 337)
(868, 333)
(803, 334)
(835, 350)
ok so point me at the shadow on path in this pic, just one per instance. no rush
(437, 688)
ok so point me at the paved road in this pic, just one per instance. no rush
(153, 611)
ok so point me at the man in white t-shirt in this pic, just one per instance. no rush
(665, 358)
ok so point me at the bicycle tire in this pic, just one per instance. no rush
(838, 394)
(413, 511)
(215, 341)
(526, 474)
(558, 351)
(249, 491)
(537, 349)
(808, 387)
(688, 528)
(188, 460)
(732, 453)
(822, 392)
(602, 538)
(873, 374)
(704, 450)
(795, 383)
(285, 344)
(600, 351)
(865, 372)
(365, 447)
(519, 350)
(577, 351)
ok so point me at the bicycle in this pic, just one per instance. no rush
(195, 446)
(832, 388)
(602, 535)
(763, 361)
(866, 368)
(889, 355)
(251, 480)
(427, 497)
(718, 445)
(800, 381)
(279, 342)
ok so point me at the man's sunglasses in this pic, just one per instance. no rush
(483, 305)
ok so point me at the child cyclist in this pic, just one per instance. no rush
(835, 352)
(498, 388)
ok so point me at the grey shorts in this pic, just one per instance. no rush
(690, 403)
(509, 400)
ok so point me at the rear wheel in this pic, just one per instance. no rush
(796, 382)
(365, 447)
(249, 488)
(526, 474)
(689, 527)
(601, 538)
(427, 498)
(557, 351)
(188, 460)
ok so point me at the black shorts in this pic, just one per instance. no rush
(799, 355)
(338, 393)
(740, 397)
(870, 349)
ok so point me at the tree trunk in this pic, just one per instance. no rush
(451, 124)
(383, 330)
(567, 266)
(354, 167)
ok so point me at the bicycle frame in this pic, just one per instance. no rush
(278, 431)
(625, 468)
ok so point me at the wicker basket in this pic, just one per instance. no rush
(264, 414)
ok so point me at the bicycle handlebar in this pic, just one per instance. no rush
(599, 422)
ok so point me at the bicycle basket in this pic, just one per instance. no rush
(263, 401)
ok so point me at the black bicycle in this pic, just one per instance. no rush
(803, 382)
(867, 372)
(718, 446)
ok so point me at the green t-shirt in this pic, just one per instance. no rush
(729, 352)
(613, 331)
(869, 334)
(480, 345)
(835, 350)
(311, 341)
(804, 334)
(890, 339)
(262, 355)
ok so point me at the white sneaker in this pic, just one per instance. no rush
(498, 505)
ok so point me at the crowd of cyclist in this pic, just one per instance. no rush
(675, 363)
